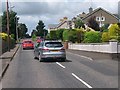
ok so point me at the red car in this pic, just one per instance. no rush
(27, 44)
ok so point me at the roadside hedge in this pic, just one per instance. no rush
(92, 37)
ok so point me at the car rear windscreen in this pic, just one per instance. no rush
(53, 44)
(27, 41)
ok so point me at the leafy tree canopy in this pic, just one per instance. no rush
(40, 29)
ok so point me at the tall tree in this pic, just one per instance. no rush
(22, 30)
(92, 23)
(40, 29)
(13, 19)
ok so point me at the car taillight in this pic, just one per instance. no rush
(24, 45)
(45, 49)
(62, 49)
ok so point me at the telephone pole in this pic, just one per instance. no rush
(8, 29)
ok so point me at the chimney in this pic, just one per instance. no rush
(90, 9)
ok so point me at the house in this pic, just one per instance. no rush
(101, 16)
(52, 27)
(63, 24)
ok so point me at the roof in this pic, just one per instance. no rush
(52, 25)
(96, 10)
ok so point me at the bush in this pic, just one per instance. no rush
(53, 35)
(34, 37)
(92, 37)
(72, 36)
(12, 36)
(80, 35)
(65, 35)
(4, 36)
(105, 37)
(59, 33)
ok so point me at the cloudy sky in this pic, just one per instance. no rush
(50, 11)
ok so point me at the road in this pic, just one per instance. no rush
(77, 72)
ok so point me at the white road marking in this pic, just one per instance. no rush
(81, 80)
(81, 56)
(60, 65)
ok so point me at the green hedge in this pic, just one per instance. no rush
(92, 37)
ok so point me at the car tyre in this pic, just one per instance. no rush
(40, 59)
(64, 59)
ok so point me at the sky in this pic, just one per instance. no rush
(51, 11)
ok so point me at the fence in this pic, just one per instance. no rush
(4, 45)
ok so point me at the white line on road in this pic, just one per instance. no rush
(81, 80)
(81, 56)
(60, 65)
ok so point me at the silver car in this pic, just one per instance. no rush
(50, 50)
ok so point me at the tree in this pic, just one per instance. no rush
(40, 29)
(22, 30)
(92, 23)
(13, 19)
(79, 24)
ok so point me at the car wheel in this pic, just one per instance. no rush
(40, 59)
(35, 58)
(63, 59)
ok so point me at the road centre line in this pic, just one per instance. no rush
(81, 80)
(60, 64)
(81, 56)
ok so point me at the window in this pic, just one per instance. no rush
(102, 18)
(97, 18)
(53, 44)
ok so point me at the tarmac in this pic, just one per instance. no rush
(7, 57)
(5, 60)
(95, 55)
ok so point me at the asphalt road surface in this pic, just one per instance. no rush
(77, 72)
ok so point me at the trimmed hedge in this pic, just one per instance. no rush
(92, 37)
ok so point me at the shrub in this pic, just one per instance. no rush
(80, 35)
(65, 35)
(59, 33)
(92, 37)
(72, 36)
(12, 36)
(114, 31)
(105, 37)
(33, 37)
(53, 35)
(3, 36)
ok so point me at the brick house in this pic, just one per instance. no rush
(101, 15)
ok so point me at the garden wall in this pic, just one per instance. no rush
(111, 47)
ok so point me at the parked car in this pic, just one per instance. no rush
(27, 44)
(51, 49)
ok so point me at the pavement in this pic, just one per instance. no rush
(5, 60)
